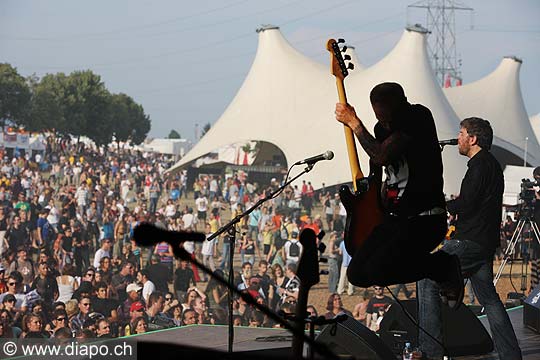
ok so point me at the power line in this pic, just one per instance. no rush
(184, 51)
(132, 28)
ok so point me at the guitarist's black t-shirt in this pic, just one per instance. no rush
(414, 182)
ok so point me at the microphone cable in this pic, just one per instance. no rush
(413, 320)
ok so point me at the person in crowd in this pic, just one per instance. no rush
(190, 317)
(378, 301)
(159, 273)
(33, 327)
(360, 309)
(103, 251)
(154, 312)
(183, 279)
(334, 260)
(209, 249)
(139, 325)
(479, 212)
(343, 275)
(217, 293)
(191, 294)
(335, 307)
(45, 284)
(143, 278)
(85, 305)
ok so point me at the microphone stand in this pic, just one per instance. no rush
(321, 348)
(230, 228)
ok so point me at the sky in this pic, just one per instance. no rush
(184, 61)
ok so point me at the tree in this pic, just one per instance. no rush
(47, 106)
(174, 135)
(87, 107)
(14, 95)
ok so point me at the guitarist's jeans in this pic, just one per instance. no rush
(480, 273)
(398, 252)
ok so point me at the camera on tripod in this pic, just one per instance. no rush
(527, 194)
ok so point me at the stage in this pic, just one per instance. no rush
(276, 343)
(529, 341)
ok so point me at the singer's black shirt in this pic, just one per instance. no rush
(479, 205)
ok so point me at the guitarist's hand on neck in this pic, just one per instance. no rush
(346, 115)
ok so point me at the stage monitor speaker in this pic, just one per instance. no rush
(350, 338)
(463, 333)
(531, 310)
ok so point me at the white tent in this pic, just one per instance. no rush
(176, 147)
(535, 124)
(497, 98)
(288, 100)
(513, 175)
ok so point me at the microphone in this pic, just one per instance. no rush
(146, 234)
(448, 142)
(329, 155)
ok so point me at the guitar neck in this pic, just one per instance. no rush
(354, 163)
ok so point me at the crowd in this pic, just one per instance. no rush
(70, 266)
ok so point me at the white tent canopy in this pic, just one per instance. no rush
(288, 100)
(512, 182)
(497, 98)
(535, 124)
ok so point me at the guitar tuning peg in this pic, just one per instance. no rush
(340, 41)
(347, 57)
(350, 66)
(344, 48)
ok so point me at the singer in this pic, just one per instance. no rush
(405, 144)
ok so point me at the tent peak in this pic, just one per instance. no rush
(418, 28)
(265, 27)
(515, 58)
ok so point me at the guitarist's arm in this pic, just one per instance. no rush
(380, 153)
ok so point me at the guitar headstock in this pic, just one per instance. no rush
(337, 61)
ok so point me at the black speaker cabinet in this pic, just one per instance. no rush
(350, 338)
(531, 310)
(463, 333)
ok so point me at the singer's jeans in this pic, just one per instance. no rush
(480, 272)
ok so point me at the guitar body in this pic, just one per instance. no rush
(364, 212)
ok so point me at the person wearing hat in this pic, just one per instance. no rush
(136, 310)
(133, 292)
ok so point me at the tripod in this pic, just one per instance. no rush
(513, 241)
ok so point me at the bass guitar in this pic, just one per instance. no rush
(363, 204)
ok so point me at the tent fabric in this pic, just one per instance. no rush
(535, 124)
(288, 99)
(497, 98)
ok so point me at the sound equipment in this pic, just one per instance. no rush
(350, 338)
(531, 310)
(463, 333)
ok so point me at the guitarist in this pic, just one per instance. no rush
(399, 249)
